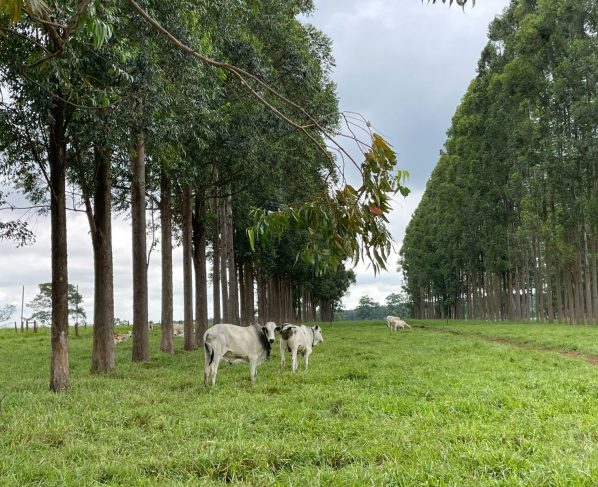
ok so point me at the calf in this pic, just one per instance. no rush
(395, 323)
(298, 339)
(237, 344)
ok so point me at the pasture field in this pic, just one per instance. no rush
(418, 407)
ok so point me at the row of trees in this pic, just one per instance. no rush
(396, 304)
(111, 110)
(508, 225)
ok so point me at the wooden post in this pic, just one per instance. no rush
(22, 306)
(15, 327)
(77, 311)
(34, 326)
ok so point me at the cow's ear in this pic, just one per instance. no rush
(277, 329)
(316, 327)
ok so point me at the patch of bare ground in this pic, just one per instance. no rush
(588, 357)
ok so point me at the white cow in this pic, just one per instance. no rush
(237, 344)
(395, 323)
(298, 339)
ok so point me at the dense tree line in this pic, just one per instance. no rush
(508, 225)
(396, 304)
(109, 109)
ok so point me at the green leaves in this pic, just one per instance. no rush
(349, 223)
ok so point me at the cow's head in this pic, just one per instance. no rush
(268, 330)
(318, 338)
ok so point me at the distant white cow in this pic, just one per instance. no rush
(298, 339)
(178, 330)
(237, 344)
(395, 323)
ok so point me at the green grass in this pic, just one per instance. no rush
(582, 338)
(375, 408)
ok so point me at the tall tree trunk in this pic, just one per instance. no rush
(187, 212)
(102, 357)
(140, 350)
(59, 362)
(216, 266)
(199, 263)
(166, 328)
(559, 292)
(549, 293)
(579, 294)
(222, 227)
(261, 297)
(233, 291)
(587, 280)
(594, 278)
(539, 284)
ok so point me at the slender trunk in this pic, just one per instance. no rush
(166, 328)
(261, 297)
(559, 293)
(140, 350)
(102, 357)
(526, 282)
(549, 292)
(233, 292)
(187, 210)
(587, 279)
(216, 267)
(594, 279)
(249, 279)
(579, 295)
(199, 264)
(222, 227)
(539, 285)
(59, 363)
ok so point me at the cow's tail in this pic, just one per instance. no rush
(209, 351)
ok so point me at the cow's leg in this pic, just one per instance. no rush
(283, 346)
(253, 369)
(214, 367)
(307, 354)
(294, 358)
(207, 368)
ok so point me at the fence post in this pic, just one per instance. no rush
(16, 327)
(35, 326)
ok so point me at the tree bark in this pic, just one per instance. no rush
(549, 292)
(594, 279)
(222, 228)
(216, 266)
(233, 291)
(199, 263)
(587, 280)
(187, 210)
(102, 357)
(166, 328)
(59, 362)
(140, 351)
(559, 293)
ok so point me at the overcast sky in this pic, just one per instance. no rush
(403, 64)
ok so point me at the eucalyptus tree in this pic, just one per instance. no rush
(520, 177)
(36, 119)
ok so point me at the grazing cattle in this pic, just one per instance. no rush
(121, 337)
(237, 344)
(298, 339)
(395, 323)
(178, 330)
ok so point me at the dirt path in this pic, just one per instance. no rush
(588, 357)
